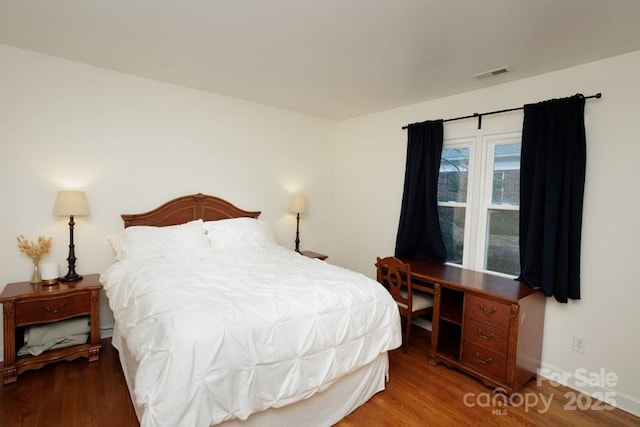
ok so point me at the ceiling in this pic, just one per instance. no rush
(329, 58)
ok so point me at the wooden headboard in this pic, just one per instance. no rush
(188, 208)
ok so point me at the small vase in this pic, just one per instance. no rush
(35, 277)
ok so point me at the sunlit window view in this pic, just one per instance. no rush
(501, 253)
(492, 241)
(452, 198)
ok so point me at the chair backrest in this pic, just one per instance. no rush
(395, 275)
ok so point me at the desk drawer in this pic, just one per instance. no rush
(487, 310)
(486, 361)
(52, 309)
(486, 335)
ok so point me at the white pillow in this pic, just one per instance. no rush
(116, 242)
(238, 232)
(146, 241)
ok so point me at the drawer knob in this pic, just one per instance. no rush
(52, 310)
(487, 312)
(484, 337)
(484, 362)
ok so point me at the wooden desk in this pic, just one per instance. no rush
(485, 325)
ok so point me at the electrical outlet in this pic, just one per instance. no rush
(578, 344)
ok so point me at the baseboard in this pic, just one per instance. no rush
(599, 385)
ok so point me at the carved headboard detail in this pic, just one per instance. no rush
(188, 208)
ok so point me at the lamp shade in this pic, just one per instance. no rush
(71, 203)
(298, 204)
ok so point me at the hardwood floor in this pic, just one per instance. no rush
(86, 394)
(70, 394)
(419, 394)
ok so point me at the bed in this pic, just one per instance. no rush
(216, 324)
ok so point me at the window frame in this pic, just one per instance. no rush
(481, 144)
(463, 142)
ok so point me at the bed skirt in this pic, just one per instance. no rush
(322, 409)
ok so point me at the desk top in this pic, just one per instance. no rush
(463, 279)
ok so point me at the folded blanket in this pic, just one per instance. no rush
(49, 336)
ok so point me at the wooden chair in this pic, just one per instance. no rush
(395, 275)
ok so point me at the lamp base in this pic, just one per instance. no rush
(71, 278)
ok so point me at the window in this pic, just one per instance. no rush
(452, 198)
(478, 201)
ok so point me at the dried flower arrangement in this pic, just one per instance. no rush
(34, 250)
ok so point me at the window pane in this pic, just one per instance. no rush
(506, 174)
(454, 171)
(452, 226)
(502, 245)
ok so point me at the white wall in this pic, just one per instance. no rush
(370, 174)
(133, 144)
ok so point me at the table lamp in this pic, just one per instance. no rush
(71, 203)
(297, 206)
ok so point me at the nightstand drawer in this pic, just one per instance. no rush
(51, 309)
(487, 310)
(486, 335)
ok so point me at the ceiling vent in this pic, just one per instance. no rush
(490, 73)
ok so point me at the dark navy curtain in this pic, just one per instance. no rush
(552, 176)
(419, 235)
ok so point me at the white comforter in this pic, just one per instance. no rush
(226, 334)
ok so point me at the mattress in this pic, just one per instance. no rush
(222, 335)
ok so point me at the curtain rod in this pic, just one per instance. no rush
(479, 115)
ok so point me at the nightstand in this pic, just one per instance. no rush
(311, 254)
(27, 304)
